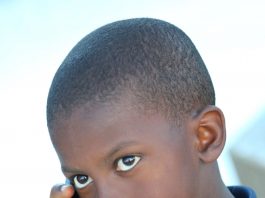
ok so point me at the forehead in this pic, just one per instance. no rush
(91, 134)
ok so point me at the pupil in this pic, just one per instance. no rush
(82, 179)
(129, 160)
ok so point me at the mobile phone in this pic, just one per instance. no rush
(67, 181)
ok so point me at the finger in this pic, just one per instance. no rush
(62, 191)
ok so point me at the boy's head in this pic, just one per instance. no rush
(130, 114)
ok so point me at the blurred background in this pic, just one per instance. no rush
(35, 36)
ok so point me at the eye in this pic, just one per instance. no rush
(81, 181)
(127, 163)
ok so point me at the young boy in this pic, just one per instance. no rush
(131, 115)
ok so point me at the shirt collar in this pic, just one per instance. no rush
(242, 192)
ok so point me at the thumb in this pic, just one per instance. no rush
(62, 191)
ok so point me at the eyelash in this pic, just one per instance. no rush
(74, 181)
(132, 163)
(136, 160)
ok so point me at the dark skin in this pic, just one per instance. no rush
(115, 151)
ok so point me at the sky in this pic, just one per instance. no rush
(37, 35)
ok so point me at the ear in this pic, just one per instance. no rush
(210, 134)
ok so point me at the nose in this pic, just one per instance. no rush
(111, 189)
(105, 191)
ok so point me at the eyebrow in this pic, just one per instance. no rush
(109, 155)
(120, 146)
(66, 169)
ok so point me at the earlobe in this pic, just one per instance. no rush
(210, 134)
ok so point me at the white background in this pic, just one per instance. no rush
(35, 36)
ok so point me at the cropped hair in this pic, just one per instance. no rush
(152, 60)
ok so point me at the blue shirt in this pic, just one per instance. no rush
(242, 192)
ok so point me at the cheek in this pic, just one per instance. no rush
(166, 177)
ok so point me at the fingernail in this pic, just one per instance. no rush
(63, 187)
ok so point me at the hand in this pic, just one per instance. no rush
(62, 191)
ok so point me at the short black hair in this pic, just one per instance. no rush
(152, 59)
